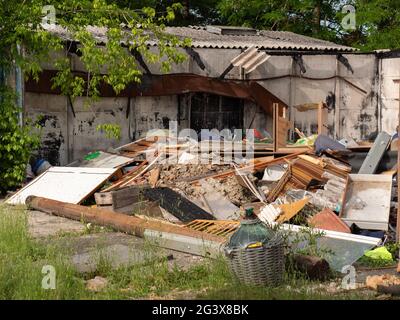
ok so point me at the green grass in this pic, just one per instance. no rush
(22, 259)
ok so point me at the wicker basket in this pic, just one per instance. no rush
(263, 266)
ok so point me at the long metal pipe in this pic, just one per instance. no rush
(117, 221)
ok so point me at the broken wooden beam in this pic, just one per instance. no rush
(165, 234)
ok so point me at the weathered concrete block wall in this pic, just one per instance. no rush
(357, 111)
(388, 102)
(153, 113)
(50, 113)
(67, 137)
(84, 137)
(354, 113)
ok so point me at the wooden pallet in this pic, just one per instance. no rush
(222, 228)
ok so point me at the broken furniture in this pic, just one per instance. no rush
(282, 125)
(322, 114)
(366, 201)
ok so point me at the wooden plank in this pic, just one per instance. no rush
(127, 196)
(306, 107)
(289, 210)
(154, 175)
(274, 193)
(103, 198)
(126, 177)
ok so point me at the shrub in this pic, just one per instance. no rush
(16, 142)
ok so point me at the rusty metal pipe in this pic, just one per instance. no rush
(117, 221)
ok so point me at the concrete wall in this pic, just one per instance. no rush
(67, 137)
(355, 113)
(388, 102)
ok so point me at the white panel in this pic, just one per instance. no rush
(374, 191)
(346, 247)
(67, 184)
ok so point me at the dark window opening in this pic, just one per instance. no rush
(210, 111)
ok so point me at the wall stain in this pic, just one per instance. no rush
(50, 148)
(91, 121)
(165, 122)
(42, 119)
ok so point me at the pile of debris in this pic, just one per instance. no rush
(348, 193)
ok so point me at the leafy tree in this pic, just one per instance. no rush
(377, 21)
(25, 42)
(378, 24)
(317, 18)
(16, 142)
(192, 12)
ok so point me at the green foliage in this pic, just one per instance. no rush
(377, 21)
(198, 12)
(315, 18)
(112, 131)
(378, 24)
(22, 259)
(16, 142)
(24, 42)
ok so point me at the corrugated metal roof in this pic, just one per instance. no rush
(201, 38)
(264, 39)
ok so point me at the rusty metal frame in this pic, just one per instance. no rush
(171, 84)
